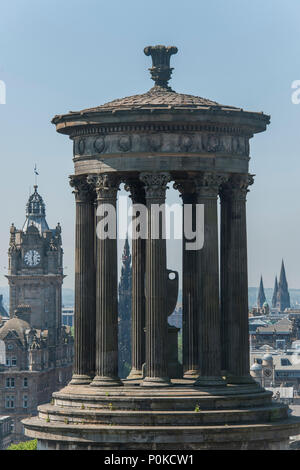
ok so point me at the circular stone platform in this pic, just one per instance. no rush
(182, 417)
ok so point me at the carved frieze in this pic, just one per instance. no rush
(124, 143)
(99, 144)
(162, 142)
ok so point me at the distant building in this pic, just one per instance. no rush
(275, 368)
(68, 316)
(277, 335)
(36, 351)
(5, 432)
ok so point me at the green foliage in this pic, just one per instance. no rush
(28, 445)
(197, 409)
(180, 347)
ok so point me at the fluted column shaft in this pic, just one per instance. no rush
(190, 275)
(156, 284)
(137, 194)
(207, 187)
(106, 187)
(234, 280)
(85, 316)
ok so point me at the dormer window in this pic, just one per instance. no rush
(285, 362)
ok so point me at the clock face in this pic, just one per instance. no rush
(32, 258)
(268, 372)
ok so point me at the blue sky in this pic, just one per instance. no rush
(58, 56)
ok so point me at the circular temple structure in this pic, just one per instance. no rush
(147, 141)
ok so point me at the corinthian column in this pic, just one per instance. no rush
(234, 280)
(190, 281)
(137, 194)
(207, 187)
(156, 282)
(106, 187)
(85, 316)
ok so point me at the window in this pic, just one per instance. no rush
(25, 382)
(285, 362)
(8, 363)
(13, 361)
(12, 426)
(25, 401)
(9, 401)
(10, 382)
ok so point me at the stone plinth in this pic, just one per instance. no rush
(181, 417)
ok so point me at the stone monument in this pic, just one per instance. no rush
(146, 141)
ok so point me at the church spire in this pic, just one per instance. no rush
(283, 296)
(261, 298)
(274, 298)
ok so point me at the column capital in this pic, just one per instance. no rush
(82, 190)
(208, 184)
(236, 186)
(106, 185)
(155, 184)
(136, 189)
(186, 188)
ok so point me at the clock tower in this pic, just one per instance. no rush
(35, 271)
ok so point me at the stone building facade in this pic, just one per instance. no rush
(37, 351)
(5, 432)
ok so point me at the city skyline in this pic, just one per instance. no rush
(43, 78)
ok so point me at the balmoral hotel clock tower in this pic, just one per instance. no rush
(35, 270)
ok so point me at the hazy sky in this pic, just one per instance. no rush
(57, 56)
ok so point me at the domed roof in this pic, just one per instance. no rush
(159, 98)
(268, 357)
(17, 325)
(256, 367)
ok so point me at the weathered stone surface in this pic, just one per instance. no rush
(181, 417)
(154, 138)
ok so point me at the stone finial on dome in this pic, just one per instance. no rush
(161, 71)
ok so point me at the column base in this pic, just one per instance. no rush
(135, 374)
(156, 382)
(102, 381)
(191, 374)
(213, 381)
(240, 380)
(78, 379)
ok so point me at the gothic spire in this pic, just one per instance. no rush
(274, 298)
(124, 326)
(283, 296)
(261, 298)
